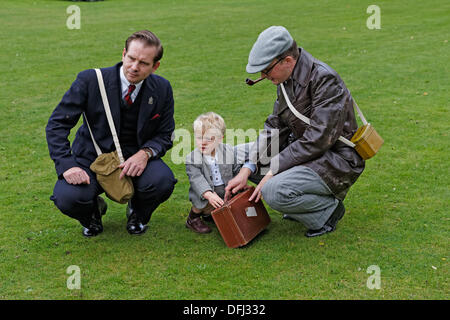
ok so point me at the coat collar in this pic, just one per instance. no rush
(302, 70)
(299, 76)
(124, 84)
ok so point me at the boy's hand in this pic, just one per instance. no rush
(213, 199)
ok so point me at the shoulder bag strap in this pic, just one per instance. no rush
(97, 149)
(101, 85)
(361, 116)
(308, 121)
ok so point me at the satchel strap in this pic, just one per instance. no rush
(97, 149)
(101, 85)
(361, 116)
(308, 121)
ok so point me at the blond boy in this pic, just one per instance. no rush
(209, 168)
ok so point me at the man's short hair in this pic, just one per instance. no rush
(207, 121)
(292, 51)
(150, 39)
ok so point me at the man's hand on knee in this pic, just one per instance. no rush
(76, 175)
(256, 195)
(135, 165)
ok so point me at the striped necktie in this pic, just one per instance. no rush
(131, 88)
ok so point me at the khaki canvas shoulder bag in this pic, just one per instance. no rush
(366, 140)
(106, 165)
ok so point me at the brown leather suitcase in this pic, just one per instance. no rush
(239, 220)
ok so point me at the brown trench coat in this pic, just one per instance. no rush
(316, 91)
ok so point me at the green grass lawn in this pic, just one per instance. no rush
(397, 213)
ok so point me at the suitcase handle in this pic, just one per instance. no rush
(245, 188)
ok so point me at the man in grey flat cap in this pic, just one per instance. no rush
(309, 177)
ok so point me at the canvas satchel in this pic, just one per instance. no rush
(106, 165)
(366, 140)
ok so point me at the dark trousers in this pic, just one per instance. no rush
(151, 188)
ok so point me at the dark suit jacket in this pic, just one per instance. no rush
(155, 120)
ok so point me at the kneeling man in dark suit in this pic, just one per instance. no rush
(142, 109)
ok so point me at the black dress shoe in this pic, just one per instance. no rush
(92, 231)
(315, 233)
(137, 228)
(95, 225)
(134, 226)
(330, 225)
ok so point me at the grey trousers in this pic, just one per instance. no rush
(300, 193)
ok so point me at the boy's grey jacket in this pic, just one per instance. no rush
(199, 172)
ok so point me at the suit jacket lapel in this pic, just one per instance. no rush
(113, 91)
(148, 103)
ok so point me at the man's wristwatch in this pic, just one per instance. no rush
(148, 152)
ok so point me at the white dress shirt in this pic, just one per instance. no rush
(124, 84)
(212, 161)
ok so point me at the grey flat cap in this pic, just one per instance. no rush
(270, 43)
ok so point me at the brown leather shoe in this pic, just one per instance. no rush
(197, 225)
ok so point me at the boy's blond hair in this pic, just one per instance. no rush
(209, 121)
